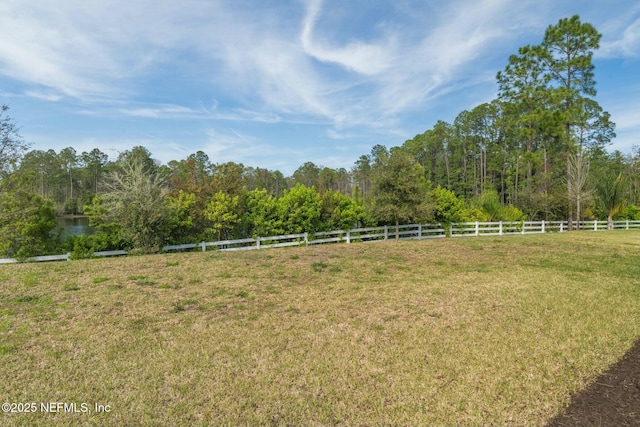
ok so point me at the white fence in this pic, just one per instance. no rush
(405, 232)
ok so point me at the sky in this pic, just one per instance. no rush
(277, 83)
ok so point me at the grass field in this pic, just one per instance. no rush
(470, 331)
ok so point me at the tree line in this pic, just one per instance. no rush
(538, 151)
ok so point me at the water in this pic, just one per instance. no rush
(75, 226)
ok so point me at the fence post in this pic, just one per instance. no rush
(561, 224)
(627, 224)
(204, 246)
(524, 226)
(500, 229)
(419, 231)
(348, 236)
(386, 232)
(306, 239)
(477, 228)
(542, 226)
(258, 242)
(595, 225)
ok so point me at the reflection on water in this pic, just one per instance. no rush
(75, 226)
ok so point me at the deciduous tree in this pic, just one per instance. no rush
(400, 191)
(222, 211)
(578, 188)
(447, 208)
(300, 209)
(27, 224)
(135, 198)
(12, 146)
(341, 212)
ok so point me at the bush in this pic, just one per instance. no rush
(28, 225)
(489, 203)
(134, 199)
(473, 214)
(70, 206)
(631, 212)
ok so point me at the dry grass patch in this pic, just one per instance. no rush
(474, 331)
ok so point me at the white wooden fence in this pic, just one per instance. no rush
(405, 232)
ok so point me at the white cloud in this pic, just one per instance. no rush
(363, 58)
(85, 49)
(627, 119)
(286, 62)
(162, 111)
(229, 145)
(626, 45)
(47, 95)
(90, 50)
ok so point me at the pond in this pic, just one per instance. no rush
(75, 225)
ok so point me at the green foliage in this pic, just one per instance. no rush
(109, 234)
(135, 200)
(340, 212)
(261, 217)
(611, 191)
(81, 246)
(490, 205)
(631, 212)
(521, 146)
(510, 213)
(473, 214)
(222, 211)
(71, 206)
(307, 175)
(27, 225)
(400, 191)
(11, 144)
(447, 207)
(180, 223)
(139, 156)
(300, 209)
(567, 51)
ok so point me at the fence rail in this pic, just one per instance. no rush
(372, 234)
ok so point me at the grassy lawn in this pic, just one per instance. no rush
(467, 331)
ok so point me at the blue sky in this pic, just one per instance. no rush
(276, 83)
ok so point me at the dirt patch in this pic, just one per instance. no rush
(613, 399)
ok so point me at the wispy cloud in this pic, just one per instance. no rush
(47, 95)
(363, 58)
(162, 111)
(79, 50)
(627, 45)
(225, 144)
(351, 71)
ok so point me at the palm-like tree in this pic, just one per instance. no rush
(612, 191)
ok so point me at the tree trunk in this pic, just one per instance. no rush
(578, 211)
(515, 186)
(570, 225)
(464, 170)
(546, 198)
(397, 229)
(446, 165)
